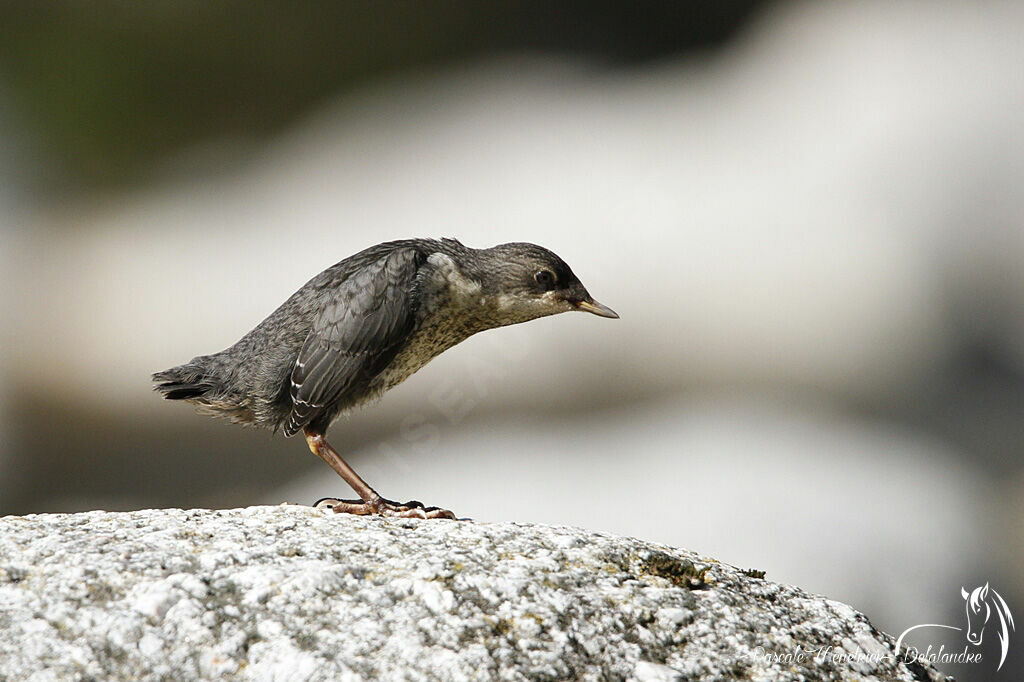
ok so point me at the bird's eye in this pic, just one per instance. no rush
(545, 279)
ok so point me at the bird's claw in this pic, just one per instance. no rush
(383, 507)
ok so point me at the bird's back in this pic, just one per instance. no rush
(349, 328)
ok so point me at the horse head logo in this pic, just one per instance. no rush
(980, 603)
(978, 612)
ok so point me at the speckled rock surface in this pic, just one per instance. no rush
(291, 593)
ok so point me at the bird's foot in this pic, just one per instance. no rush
(384, 507)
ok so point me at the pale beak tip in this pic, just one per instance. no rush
(597, 309)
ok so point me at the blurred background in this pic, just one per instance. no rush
(810, 217)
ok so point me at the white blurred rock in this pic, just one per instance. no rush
(787, 213)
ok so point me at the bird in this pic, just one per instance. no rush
(361, 327)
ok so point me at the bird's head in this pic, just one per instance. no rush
(525, 281)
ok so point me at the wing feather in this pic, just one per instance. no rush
(354, 336)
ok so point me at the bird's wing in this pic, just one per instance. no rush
(355, 335)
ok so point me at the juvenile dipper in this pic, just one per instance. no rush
(365, 325)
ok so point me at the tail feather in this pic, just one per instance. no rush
(187, 382)
(200, 383)
(174, 391)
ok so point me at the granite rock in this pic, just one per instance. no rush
(293, 593)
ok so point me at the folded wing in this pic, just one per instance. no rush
(355, 336)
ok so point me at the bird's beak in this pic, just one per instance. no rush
(592, 306)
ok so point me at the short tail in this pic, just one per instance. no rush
(201, 382)
(185, 382)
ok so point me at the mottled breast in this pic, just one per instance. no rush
(450, 311)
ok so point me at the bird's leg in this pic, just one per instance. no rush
(371, 502)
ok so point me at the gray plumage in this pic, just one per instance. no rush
(366, 324)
